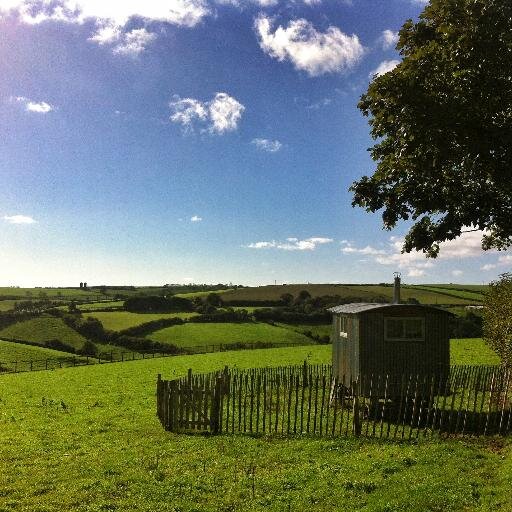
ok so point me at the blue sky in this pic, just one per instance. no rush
(198, 141)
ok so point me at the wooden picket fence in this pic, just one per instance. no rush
(306, 399)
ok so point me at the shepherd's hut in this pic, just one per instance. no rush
(389, 340)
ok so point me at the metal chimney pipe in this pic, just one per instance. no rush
(396, 288)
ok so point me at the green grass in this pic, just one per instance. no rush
(11, 352)
(316, 329)
(87, 440)
(120, 320)
(474, 296)
(42, 329)
(7, 305)
(100, 305)
(472, 351)
(192, 295)
(364, 292)
(192, 334)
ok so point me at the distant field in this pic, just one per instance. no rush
(192, 334)
(474, 296)
(98, 305)
(120, 320)
(316, 329)
(363, 292)
(36, 293)
(87, 439)
(7, 305)
(11, 352)
(192, 295)
(42, 329)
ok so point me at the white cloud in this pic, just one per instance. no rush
(111, 17)
(368, 250)
(468, 245)
(457, 273)
(221, 114)
(385, 67)
(488, 266)
(240, 3)
(38, 107)
(134, 42)
(271, 146)
(292, 244)
(130, 43)
(179, 12)
(388, 39)
(19, 219)
(196, 218)
(308, 49)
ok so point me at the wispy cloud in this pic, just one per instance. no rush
(309, 50)
(384, 67)
(37, 107)
(113, 20)
(131, 43)
(388, 39)
(220, 115)
(270, 146)
(19, 219)
(292, 244)
(196, 218)
(468, 245)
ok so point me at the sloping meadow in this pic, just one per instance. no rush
(88, 439)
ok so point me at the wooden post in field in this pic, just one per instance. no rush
(356, 420)
(216, 409)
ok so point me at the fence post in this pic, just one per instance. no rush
(305, 373)
(216, 410)
(356, 420)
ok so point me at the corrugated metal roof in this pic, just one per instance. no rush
(361, 307)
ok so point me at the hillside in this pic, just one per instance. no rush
(16, 355)
(42, 330)
(189, 335)
(87, 439)
(364, 293)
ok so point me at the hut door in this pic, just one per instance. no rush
(354, 342)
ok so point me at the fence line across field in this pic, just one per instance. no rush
(306, 399)
(118, 356)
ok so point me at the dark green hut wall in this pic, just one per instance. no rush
(379, 356)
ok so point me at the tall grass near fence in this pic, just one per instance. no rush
(469, 400)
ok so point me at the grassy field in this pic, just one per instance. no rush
(474, 296)
(42, 329)
(189, 335)
(6, 305)
(364, 292)
(120, 320)
(10, 352)
(472, 351)
(316, 329)
(87, 439)
(193, 295)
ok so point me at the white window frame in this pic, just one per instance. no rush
(404, 319)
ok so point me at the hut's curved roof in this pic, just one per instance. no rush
(361, 307)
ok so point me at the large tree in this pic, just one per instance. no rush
(442, 121)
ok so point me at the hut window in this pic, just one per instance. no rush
(404, 329)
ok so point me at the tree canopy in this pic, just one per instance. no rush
(442, 122)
